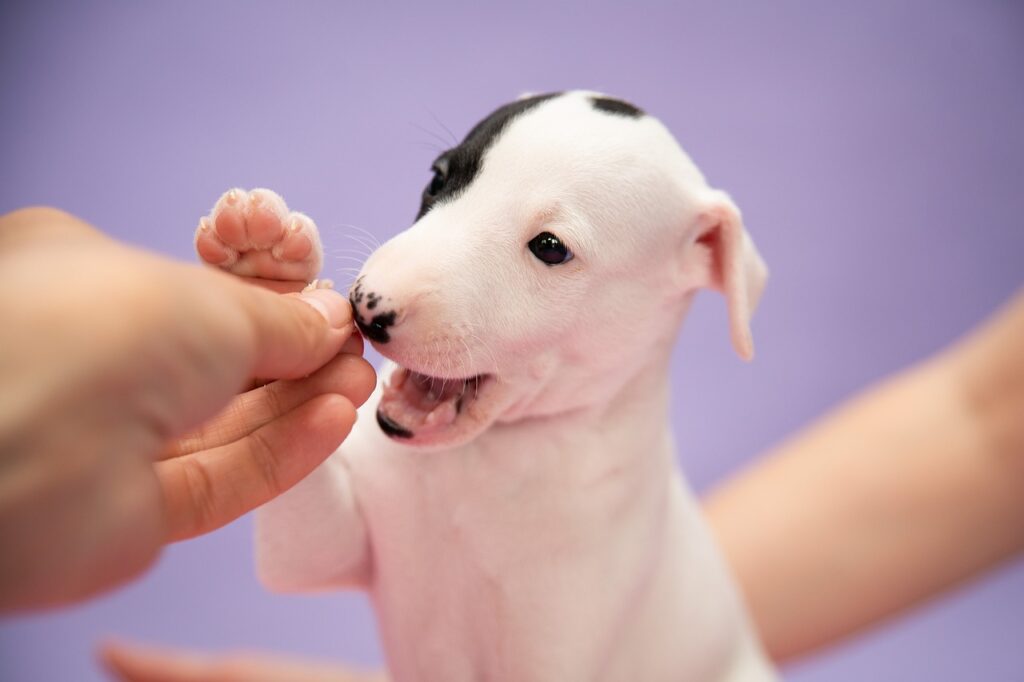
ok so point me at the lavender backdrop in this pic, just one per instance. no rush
(876, 150)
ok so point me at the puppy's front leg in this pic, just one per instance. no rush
(313, 537)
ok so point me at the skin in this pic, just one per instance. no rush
(120, 427)
(903, 493)
(135, 663)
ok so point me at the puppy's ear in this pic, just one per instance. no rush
(720, 255)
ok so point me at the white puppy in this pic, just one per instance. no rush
(510, 496)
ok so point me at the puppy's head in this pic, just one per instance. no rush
(555, 250)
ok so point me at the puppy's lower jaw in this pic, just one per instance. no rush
(422, 409)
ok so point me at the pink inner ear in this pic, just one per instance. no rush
(712, 241)
(724, 269)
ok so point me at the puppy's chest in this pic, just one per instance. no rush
(506, 500)
(464, 506)
(475, 548)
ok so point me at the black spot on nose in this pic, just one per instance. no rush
(355, 296)
(377, 328)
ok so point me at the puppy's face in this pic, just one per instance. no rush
(552, 253)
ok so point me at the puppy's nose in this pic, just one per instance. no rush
(373, 321)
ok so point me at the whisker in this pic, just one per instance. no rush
(429, 132)
(344, 268)
(483, 344)
(372, 237)
(431, 146)
(449, 360)
(469, 352)
(351, 252)
(370, 247)
(455, 140)
(346, 249)
(351, 258)
(353, 272)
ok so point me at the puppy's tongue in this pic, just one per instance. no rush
(421, 404)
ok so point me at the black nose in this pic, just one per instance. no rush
(374, 328)
(377, 328)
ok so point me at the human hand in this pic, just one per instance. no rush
(132, 663)
(109, 355)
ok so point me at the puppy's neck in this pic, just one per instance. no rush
(625, 425)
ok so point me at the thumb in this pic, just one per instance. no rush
(293, 335)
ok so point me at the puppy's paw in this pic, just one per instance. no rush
(253, 234)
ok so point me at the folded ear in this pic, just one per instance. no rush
(722, 256)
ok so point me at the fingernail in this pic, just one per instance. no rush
(333, 306)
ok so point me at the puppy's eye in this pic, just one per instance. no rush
(550, 249)
(440, 169)
(436, 184)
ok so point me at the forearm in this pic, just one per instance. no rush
(911, 488)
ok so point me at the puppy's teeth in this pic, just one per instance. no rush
(442, 415)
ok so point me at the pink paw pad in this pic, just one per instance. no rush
(253, 234)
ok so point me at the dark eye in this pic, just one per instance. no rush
(550, 249)
(436, 184)
(440, 169)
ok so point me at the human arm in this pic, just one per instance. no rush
(913, 487)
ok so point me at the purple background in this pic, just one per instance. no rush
(875, 149)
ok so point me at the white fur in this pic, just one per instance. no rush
(552, 538)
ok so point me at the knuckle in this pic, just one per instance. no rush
(199, 485)
(263, 458)
(273, 403)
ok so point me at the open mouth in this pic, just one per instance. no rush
(422, 407)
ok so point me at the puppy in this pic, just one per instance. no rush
(510, 497)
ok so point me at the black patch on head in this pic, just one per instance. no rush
(456, 168)
(391, 428)
(616, 106)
